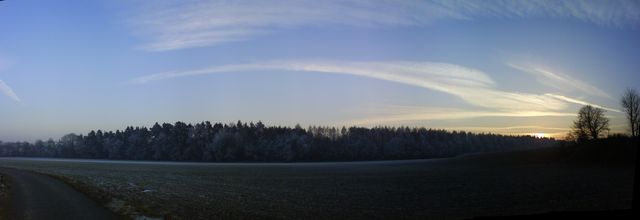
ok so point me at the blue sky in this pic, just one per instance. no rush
(510, 67)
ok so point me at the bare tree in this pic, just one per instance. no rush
(631, 103)
(590, 123)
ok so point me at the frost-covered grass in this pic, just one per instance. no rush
(450, 188)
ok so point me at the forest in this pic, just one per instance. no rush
(256, 142)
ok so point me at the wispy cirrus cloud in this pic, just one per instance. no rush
(187, 24)
(616, 13)
(473, 86)
(580, 102)
(7, 91)
(559, 80)
(183, 24)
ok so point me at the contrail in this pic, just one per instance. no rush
(6, 90)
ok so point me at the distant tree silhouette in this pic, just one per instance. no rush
(631, 104)
(590, 124)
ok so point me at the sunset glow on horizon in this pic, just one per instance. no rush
(540, 135)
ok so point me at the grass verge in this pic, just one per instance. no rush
(124, 209)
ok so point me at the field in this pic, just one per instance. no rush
(474, 185)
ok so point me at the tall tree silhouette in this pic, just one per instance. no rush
(631, 104)
(591, 123)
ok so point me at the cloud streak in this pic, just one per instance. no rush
(183, 24)
(473, 86)
(580, 102)
(7, 91)
(559, 80)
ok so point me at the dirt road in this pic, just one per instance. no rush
(36, 196)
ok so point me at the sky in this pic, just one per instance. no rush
(508, 67)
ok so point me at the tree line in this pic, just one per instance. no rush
(256, 142)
